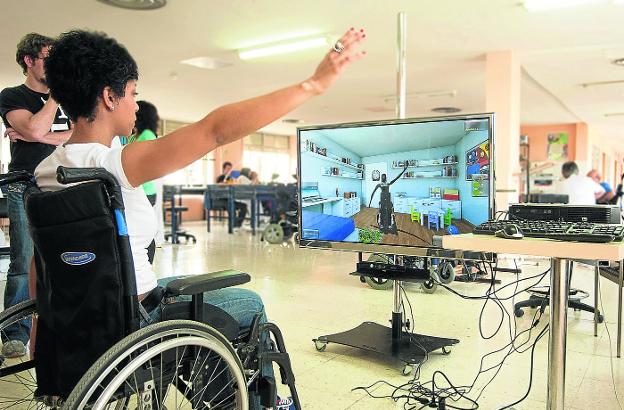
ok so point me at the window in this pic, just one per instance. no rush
(200, 172)
(269, 156)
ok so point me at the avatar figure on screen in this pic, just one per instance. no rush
(385, 217)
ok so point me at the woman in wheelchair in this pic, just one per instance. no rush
(94, 79)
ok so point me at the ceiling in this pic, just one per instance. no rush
(365, 141)
(447, 40)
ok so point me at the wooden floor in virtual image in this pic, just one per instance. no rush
(413, 233)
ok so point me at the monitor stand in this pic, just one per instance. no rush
(409, 348)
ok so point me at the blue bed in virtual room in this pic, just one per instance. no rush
(326, 227)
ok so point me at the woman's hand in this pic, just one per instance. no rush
(336, 61)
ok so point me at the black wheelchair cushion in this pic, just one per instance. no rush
(192, 285)
(80, 288)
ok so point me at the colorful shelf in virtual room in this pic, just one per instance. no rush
(416, 163)
(336, 161)
(429, 176)
(338, 173)
(446, 173)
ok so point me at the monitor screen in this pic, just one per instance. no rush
(394, 186)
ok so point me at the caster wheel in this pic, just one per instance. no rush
(429, 286)
(600, 318)
(519, 312)
(320, 345)
(407, 369)
(446, 273)
(446, 350)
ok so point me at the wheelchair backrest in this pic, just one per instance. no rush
(86, 293)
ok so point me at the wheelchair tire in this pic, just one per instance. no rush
(17, 386)
(152, 348)
(273, 234)
(378, 283)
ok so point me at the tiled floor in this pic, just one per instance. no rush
(309, 293)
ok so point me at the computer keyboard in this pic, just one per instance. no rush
(564, 231)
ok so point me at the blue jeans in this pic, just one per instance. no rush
(241, 304)
(16, 290)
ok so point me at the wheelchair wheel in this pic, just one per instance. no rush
(177, 364)
(378, 283)
(17, 375)
(274, 234)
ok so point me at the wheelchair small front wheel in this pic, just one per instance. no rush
(180, 360)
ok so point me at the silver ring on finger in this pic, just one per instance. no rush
(338, 47)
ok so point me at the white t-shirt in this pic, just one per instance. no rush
(140, 217)
(580, 189)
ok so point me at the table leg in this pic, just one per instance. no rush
(254, 215)
(231, 215)
(557, 338)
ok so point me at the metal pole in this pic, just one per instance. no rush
(397, 316)
(557, 338)
(619, 319)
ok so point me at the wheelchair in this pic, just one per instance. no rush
(284, 220)
(90, 350)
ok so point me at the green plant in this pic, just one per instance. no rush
(366, 235)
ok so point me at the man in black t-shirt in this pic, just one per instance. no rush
(225, 176)
(36, 124)
(240, 208)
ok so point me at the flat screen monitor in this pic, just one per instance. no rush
(395, 186)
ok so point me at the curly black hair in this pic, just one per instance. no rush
(31, 45)
(81, 64)
(146, 117)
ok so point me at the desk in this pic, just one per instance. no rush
(306, 204)
(559, 252)
(231, 193)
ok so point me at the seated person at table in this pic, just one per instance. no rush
(226, 171)
(609, 194)
(581, 190)
(244, 177)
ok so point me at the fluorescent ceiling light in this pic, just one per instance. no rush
(544, 5)
(283, 48)
(206, 62)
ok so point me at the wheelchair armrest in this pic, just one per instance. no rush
(192, 285)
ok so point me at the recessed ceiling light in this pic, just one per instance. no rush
(446, 110)
(423, 94)
(618, 61)
(208, 63)
(136, 4)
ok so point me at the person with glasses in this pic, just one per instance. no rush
(36, 124)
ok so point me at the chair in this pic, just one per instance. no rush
(433, 218)
(90, 351)
(216, 198)
(169, 205)
(414, 215)
(540, 299)
(448, 217)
